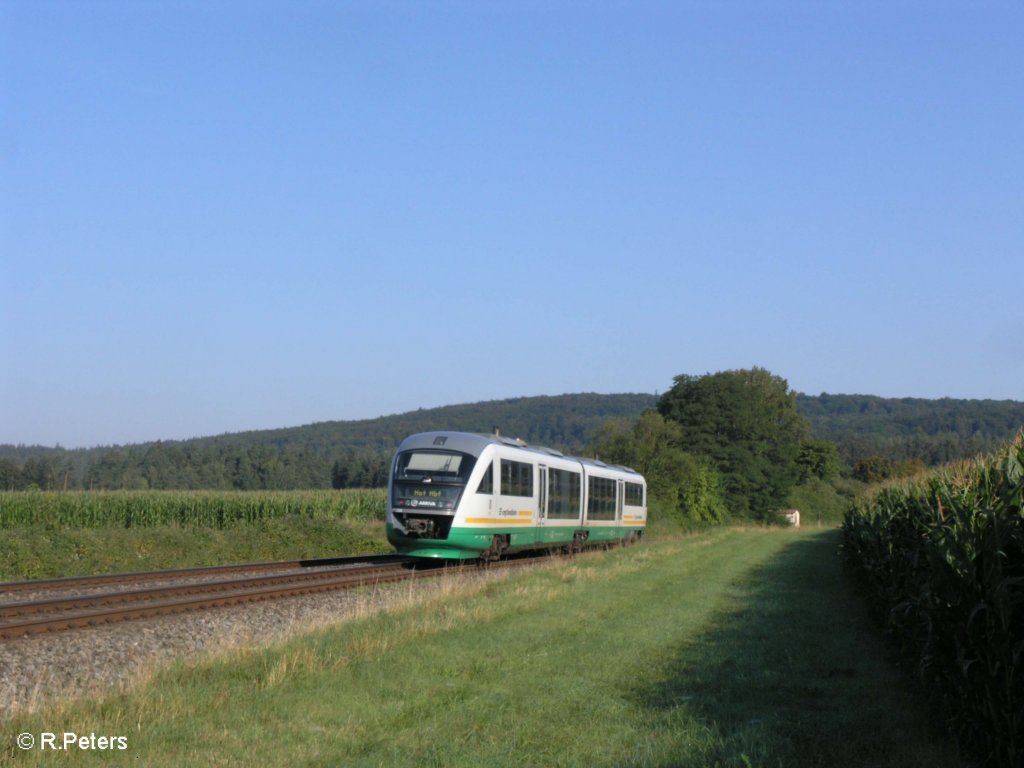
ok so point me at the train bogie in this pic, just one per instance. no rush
(458, 495)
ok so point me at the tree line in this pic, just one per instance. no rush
(174, 466)
(868, 438)
(908, 429)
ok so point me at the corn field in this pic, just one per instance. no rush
(210, 509)
(943, 558)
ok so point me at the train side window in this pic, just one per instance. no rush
(602, 498)
(634, 495)
(563, 494)
(487, 481)
(516, 478)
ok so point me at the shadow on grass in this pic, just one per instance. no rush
(792, 673)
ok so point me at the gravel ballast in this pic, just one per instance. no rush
(41, 669)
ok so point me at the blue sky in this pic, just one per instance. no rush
(236, 215)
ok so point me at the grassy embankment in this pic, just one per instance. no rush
(736, 647)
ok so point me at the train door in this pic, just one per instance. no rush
(618, 500)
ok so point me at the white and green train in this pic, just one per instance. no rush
(461, 495)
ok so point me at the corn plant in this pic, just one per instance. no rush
(943, 558)
(212, 509)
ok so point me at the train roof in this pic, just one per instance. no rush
(474, 444)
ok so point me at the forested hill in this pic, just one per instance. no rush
(934, 431)
(321, 455)
(348, 453)
(562, 421)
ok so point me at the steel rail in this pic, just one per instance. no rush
(63, 613)
(244, 590)
(71, 582)
(56, 604)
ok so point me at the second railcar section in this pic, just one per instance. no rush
(462, 495)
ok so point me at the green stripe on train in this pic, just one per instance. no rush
(468, 542)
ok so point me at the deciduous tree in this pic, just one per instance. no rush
(746, 423)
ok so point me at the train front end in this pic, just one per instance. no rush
(428, 481)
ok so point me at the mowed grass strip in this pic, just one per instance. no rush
(734, 648)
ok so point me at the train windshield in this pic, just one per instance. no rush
(430, 479)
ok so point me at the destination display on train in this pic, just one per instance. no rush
(427, 494)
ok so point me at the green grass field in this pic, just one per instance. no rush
(737, 647)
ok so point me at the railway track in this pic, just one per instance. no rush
(75, 602)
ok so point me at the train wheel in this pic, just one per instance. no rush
(579, 540)
(499, 544)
